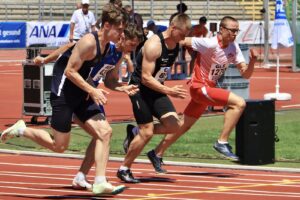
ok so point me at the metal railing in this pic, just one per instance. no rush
(153, 9)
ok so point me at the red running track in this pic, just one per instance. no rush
(263, 81)
(33, 177)
(40, 177)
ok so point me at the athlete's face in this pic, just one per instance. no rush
(230, 30)
(115, 32)
(130, 45)
(179, 34)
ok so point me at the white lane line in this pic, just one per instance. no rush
(10, 73)
(262, 194)
(151, 184)
(46, 189)
(291, 106)
(9, 61)
(64, 191)
(178, 172)
(11, 70)
(281, 78)
(235, 191)
(212, 179)
(42, 196)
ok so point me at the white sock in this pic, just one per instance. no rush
(123, 168)
(135, 130)
(221, 142)
(99, 179)
(21, 131)
(80, 176)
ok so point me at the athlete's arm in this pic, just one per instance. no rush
(247, 70)
(186, 42)
(151, 52)
(53, 55)
(71, 36)
(130, 66)
(84, 50)
(111, 81)
(199, 44)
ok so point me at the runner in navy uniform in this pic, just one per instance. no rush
(72, 94)
(109, 63)
(153, 62)
(108, 69)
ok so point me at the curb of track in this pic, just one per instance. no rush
(190, 164)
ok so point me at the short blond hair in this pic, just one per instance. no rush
(182, 20)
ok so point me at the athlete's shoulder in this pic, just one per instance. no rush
(206, 42)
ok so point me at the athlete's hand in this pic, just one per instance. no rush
(253, 54)
(178, 92)
(98, 96)
(129, 89)
(38, 60)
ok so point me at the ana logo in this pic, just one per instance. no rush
(49, 31)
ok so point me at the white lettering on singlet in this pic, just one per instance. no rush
(103, 71)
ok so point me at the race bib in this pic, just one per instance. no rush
(102, 72)
(216, 71)
(162, 74)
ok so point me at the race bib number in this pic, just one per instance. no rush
(162, 74)
(216, 71)
(102, 72)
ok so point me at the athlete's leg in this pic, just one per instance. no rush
(191, 114)
(101, 131)
(80, 181)
(169, 139)
(235, 107)
(169, 123)
(59, 143)
(60, 124)
(138, 143)
(89, 159)
(96, 125)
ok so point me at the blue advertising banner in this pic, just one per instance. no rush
(12, 34)
(52, 33)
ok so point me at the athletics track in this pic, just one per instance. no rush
(41, 177)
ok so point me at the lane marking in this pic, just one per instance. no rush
(150, 171)
(290, 106)
(271, 77)
(222, 189)
(212, 179)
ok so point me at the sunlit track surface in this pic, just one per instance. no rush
(38, 177)
(263, 81)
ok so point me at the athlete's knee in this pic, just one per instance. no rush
(241, 104)
(105, 134)
(146, 133)
(60, 141)
(59, 148)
